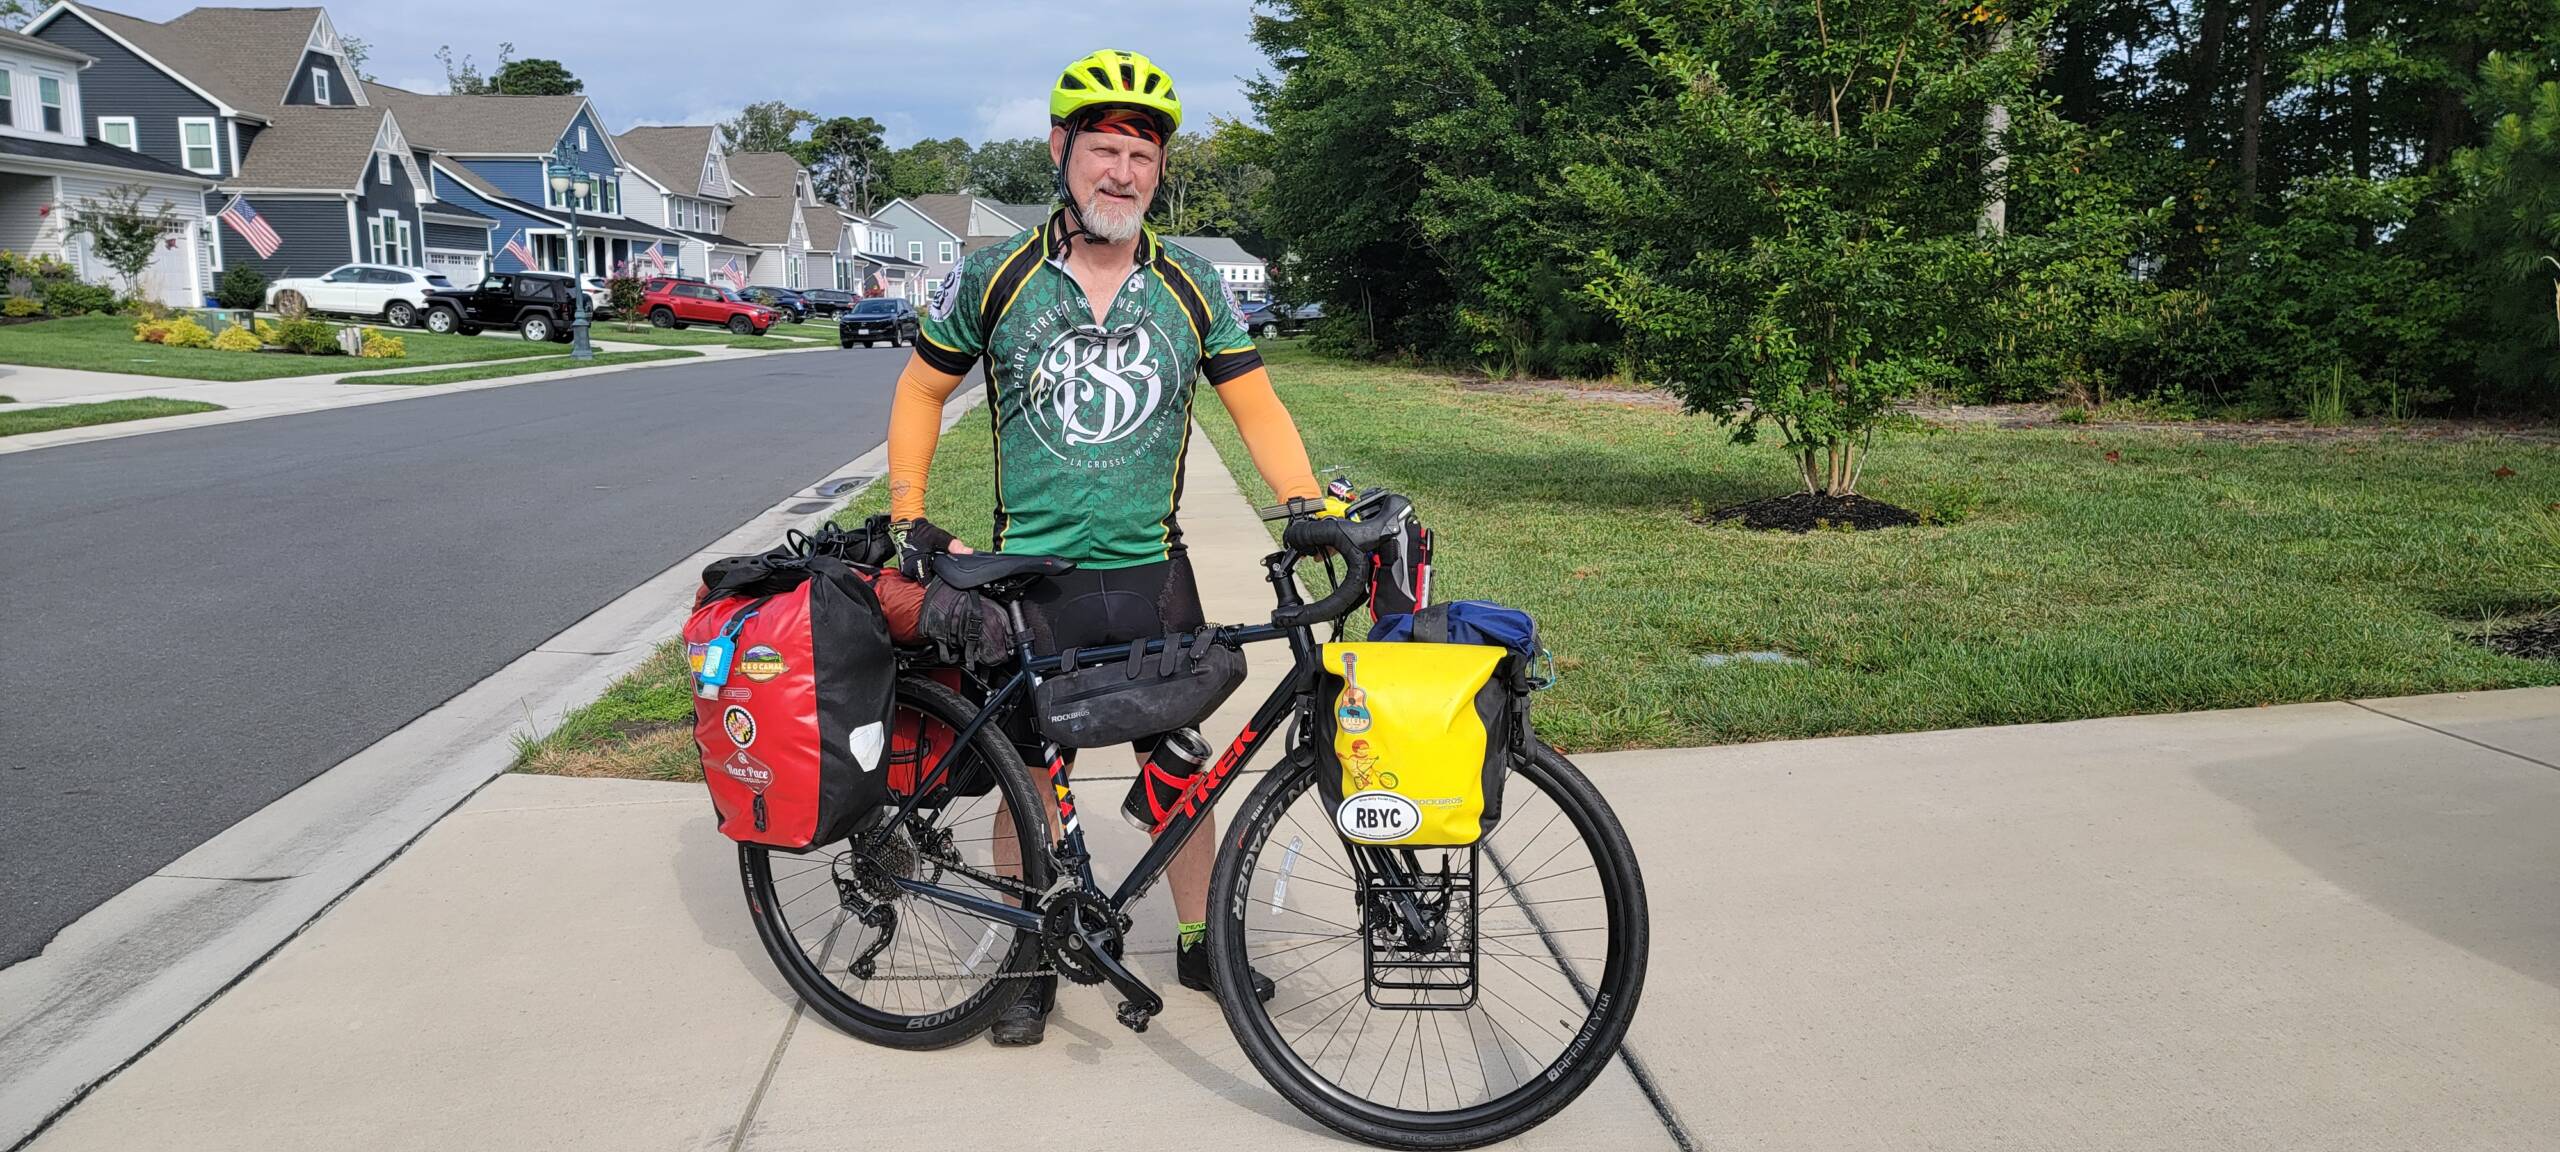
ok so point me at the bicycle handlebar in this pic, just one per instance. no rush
(1353, 540)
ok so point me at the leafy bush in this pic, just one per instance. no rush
(237, 339)
(73, 298)
(151, 332)
(623, 294)
(307, 337)
(378, 346)
(36, 271)
(21, 306)
(241, 286)
(184, 332)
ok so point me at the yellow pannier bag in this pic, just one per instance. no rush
(1414, 740)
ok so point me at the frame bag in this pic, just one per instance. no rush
(1414, 740)
(793, 677)
(1145, 695)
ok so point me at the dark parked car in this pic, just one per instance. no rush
(829, 301)
(1300, 318)
(783, 300)
(1261, 319)
(876, 319)
(538, 305)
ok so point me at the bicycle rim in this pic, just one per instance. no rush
(1558, 956)
(887, 965)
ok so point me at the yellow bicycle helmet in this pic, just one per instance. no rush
(1112, 78)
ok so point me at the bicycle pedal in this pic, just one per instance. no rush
(1134, 1015)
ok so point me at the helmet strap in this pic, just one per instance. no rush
(1076, 227)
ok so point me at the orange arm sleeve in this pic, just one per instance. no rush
(1268, 433)
(915, 427)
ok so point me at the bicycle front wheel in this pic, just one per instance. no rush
(1432, 997)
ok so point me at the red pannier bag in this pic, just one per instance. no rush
(794, 736)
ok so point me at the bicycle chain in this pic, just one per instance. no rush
(1005, 884)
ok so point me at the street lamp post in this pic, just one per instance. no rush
(571, 184)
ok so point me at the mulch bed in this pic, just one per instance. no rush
(1807, 511)
(2536, 641)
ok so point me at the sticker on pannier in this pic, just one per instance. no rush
(1415, 739)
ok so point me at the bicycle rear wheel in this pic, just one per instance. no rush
(1432, 998)
(889, 966)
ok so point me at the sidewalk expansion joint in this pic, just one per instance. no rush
(2455, 735)
(231, 879)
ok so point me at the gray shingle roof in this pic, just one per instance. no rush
(670, 155)
(1214, 249)
(312, 147)
(20, 41)
(716, 238)
(1027, 215)
(766, 173)
(245, 56)
(761, 219)
(480, 125)
(949, 211)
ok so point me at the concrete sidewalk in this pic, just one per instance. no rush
(2324, 926)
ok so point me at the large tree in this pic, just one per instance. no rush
(1013, 171)
(535, 76)
(765, 126)
(844, 155)
(929, 167)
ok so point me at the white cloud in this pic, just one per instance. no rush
(1013, 119)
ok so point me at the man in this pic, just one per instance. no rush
(1100, 333)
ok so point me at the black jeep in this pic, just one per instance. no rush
(538, 305)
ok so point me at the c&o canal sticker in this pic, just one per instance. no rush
(761, 663)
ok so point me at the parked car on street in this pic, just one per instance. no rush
(877, 319)
(1261, 319)
(782, 300)
(671, 302)
(598, 296)
(1299, 319)
(829, 301)
(388, 291)
(538, 305)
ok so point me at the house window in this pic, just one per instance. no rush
(195, 139)
(945, 255)
(116, 130)
(717, 217)
(582, 137)
(319, 85)
(915, 251)
(407, 242)
(373, 240)
(8, 103)
(49, 97)
(382, 167)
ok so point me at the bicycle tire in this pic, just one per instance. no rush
(944, 1026)
(1543, 1092)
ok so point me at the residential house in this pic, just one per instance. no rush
(49, 166)
(1027, 215)
(881, 271)
(264, 103)
(675, 177)
(768, 191)
(493, 156)
(1243, 274)
(939, 231)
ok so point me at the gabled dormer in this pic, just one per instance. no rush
(715, 175)
(324, 75)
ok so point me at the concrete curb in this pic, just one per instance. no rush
(112, 984)
(371, 394)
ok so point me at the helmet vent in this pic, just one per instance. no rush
(1100, 77)
(1128, 77)
(1152, 80)
(1070, 82)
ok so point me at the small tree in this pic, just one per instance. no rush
(1791, 214)
(126, 228)
(535, 76)
(241, 288)
(624, 295)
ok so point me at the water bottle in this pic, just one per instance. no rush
(1164, 778)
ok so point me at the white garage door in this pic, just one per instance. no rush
(462, 268)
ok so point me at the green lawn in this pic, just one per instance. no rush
(2075, 573)
(518, 367)
(106, 344)
(699, 335)
(2057, 583)
(60, 416)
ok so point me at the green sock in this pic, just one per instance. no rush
(1191, 934)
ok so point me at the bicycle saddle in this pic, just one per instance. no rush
(979, 569)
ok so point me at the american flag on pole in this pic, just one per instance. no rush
(656, 256)
(735, 275)
(252, 227)
(516, 248)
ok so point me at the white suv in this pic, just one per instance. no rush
(391, 292)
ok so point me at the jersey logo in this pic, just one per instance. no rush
(1094, 389)
(945, 296)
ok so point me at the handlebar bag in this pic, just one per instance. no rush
(1148, 694)
(793, 680)
(1413, 740)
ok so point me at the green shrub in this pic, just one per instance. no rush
(623, 294)
(73, 298)
(184, 332)
(21, 306)
(237, 339)
(378, 346)
(241, 286)
(307, 337)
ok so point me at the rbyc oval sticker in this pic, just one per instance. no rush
(1377, 817)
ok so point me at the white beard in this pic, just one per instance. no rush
(1112, 225)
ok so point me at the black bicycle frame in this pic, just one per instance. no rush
(1196, 803)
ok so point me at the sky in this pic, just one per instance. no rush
(978, 69)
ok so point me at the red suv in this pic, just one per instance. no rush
(671, 302)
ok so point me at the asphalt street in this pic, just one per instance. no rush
(198, 621)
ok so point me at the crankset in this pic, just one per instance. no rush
(1083, 935)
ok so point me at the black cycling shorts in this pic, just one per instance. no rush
(1096, 606)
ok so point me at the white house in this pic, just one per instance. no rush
(1244, 274)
